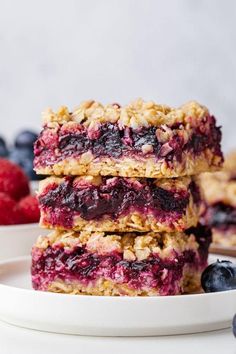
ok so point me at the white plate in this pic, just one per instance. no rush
(108, 316)
(17, 240)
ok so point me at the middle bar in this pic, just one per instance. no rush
(119, 204)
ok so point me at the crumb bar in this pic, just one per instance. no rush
(219, 192)
(142, 139)
(119, 204)
(134, 264)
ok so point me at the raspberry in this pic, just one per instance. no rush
(13, 180)
(30, 209)
(10, 212)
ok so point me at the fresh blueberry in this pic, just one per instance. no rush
(25, 139)
(24, 158)
(19, 155)
(3, 148)
(219, 276)
(234, 325)
(27, 165)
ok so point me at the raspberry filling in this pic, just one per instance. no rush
(79, 265)
(203, 237)
(114, 197)
(110, 140)
(221, 216)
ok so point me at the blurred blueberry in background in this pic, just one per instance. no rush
(24, 158)
(3, 148)
(25, 139)
(22, 152)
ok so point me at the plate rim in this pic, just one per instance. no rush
(18, 227)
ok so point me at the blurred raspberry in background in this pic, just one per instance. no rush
(21, 151)
(17, 205)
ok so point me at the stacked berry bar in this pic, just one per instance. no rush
(123, 198)
(119, 204)
(220, 202)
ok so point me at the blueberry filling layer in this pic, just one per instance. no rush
(203, 237)
(79, 265)
(220, 216)
(112, 141)
(114, 197)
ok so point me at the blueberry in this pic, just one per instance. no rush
(3, 148)
(24, 158)
(146, 136)
(27, 166)
(25, 139)
(74, 142)
(109, 142)
(19, 156)
(219, 276)
(234, 325)
(168, 201)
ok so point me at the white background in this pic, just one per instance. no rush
(56, 52)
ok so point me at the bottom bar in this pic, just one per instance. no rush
(134, 264)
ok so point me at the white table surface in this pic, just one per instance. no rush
(14, 340)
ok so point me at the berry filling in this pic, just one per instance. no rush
(203, 237)
(221, 216)
(110, 140)
(113, 197)
(79, 265)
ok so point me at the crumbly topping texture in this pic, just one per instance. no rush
(230, 163)
(134, 246)
(218, 187)
(136, 114)
(221, 186)
(181, 183)
(225, 238)
(135, 221)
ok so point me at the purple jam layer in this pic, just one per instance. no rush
(203, 236)
(221, 216)
(79, 265)
(115, 197)
(109, 140)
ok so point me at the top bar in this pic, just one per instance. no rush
(142, 139)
